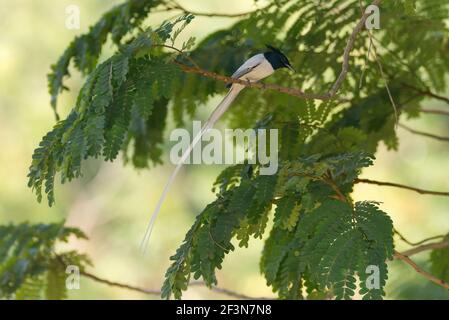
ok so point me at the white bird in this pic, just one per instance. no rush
(254, 69)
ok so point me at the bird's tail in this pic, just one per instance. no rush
(214, 117)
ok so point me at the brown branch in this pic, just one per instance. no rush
(435, 111)
(230, 293)
(328, 179)
(224, 291)
(347, 51)
(406, 259)
(425, 134)
(118, 284)
(98, 279)
(429, 246)
(292, 91)
(397, 185)
(419, 242)
(208, 74)
(184, 54)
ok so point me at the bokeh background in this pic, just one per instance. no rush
(112, 202)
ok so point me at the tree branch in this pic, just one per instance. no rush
(126, 286)
(425, 134)
(224, 291)
(118, 284)
(328, 179)
(419, 242)
(397, 185)
(406, 259)
(382, 74)
(348, 49)
(435, 111)
(292, 91)
(429, 246)
(231, 293)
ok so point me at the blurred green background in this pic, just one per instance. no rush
(112, 203)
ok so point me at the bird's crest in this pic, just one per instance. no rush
(273, 48)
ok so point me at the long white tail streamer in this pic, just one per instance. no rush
(214, 117)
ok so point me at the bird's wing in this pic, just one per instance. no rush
(241, 72)
(248, 66)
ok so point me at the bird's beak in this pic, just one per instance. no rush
(291, 68)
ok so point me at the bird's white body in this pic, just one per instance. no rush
(254, 69)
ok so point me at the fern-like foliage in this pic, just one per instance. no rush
(317, 242)
(29, 266)
(340, 242)
(85, 50)
(122, 106)
(321, 241)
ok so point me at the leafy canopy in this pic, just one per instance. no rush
(321, 240)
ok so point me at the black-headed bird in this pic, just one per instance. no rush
(254, 69)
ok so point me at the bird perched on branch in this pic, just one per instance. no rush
(254, 69)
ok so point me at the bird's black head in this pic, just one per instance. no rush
(277, 59)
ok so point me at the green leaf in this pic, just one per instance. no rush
(439, 259)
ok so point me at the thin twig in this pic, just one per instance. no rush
(227, 292)
(425, 134)
(328, 179)
(429, 246)
(419, 242)
(435, 111)
(98, 279)
(397, 185)
(382, 74)
(406, 259)
(118, 284)
(230, 293)
(184, 54)
(365, 61)
(381, 71)
(348, 49)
